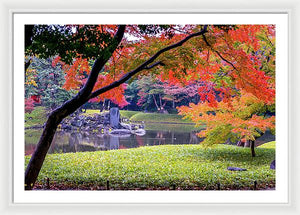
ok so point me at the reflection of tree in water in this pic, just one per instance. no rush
(111, 142)
(172, 137)
(159, 139)
(194, 139)
(81, 141)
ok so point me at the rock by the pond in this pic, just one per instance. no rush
(236, 169)
(273, 165)
(120, 131)
(77, 123)
(114, 117)
(105, 123)
(139, 132)
(125, 126)
(66, 127)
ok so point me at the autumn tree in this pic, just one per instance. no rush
(239, 115)
(242, 120)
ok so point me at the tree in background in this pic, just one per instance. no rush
(29, 105)
(46, 82)
(131, 96)
(165, 96)
(181, 95)
(151, 94)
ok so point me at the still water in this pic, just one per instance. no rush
(77, 141)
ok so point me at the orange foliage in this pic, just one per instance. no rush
(229, 61)
(240, 117)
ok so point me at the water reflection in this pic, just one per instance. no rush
(81, 141)
(65, 142)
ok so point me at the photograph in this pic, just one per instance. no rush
(150, 107)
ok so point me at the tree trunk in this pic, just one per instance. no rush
(247, 144)
(158, 109)
(108, 105)
(46, 138)
(252, 146)
(103, 106)
(160, 104)
(39, 154)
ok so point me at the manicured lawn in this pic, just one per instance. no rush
(91, 112)
(39, 116)
(172, 127)
(157, 117)
(123, 113)
(128, 113)
(269, 145)
(36, 118)
(146, 117)
(160, 167)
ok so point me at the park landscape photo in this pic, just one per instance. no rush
(150, 107)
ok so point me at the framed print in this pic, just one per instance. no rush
(79, 129)
(150, 108)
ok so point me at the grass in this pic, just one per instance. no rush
(32, 136)
(157, 117)
(128, 113)
(36, 118)
(172, 127)
(139, 116)
(91, 112)
(123, 113)
(39, 116)
(269, 145)
(160, 167)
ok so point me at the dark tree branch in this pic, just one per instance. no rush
(28, 34)
(268, 39)
(27, 64)
(28, 30)
(155, 64)
(218, 53)
(143, 66)
(100, 62)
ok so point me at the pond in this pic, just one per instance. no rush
(80, 141)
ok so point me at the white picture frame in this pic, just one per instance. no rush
(8, 206)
